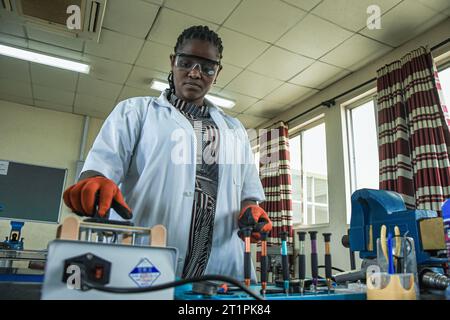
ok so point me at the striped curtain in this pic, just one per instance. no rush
(413, 132)
(275, 174)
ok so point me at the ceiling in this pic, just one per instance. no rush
(276, 52)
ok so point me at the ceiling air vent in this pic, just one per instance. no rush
(53, 15)
(6, 5)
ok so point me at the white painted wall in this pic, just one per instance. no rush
(337, 162)
(42, 137)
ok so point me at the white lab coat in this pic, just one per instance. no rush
(136, 147)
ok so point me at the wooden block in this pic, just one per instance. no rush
(432, 234)
(158, 236)
(69, 229)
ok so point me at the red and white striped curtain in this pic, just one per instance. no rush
(275, 174)
(413, 132)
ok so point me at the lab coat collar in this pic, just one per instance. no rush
(217, 114)
(163, 102)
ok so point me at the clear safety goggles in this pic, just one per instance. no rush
(189, 62)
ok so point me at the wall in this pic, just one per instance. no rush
(337, 162)
(42, 137)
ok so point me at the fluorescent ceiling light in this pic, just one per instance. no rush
(159, 85)
(44, 59)
(221, 102)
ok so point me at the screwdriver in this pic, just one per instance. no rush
(247, 256)
(264, 262)
(302, 261)
(314, 266)
(284, 261)
(328, 266)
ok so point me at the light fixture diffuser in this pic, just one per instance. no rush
(44, 59)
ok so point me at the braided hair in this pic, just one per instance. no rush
(199, 33)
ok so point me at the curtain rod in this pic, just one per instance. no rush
(331, 102)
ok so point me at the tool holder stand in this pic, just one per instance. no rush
(74, 229)
(393, 290)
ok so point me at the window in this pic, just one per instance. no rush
(257, 160)
(363, 146)
(444, 78)
(309, 176)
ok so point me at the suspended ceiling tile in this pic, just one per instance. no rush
(35, 33)
(141, 77)
(155, 56)
(265, 109)
(250, 121)
(303, 4)
(129, 92)
(55, 51)
(242, 101)
(7, 39)
(52, 106)
(93, 106)
(131, 17)
(210, 10)
(253, 84)
(157, 2)
(16, 99)
(12, 28)
(239, 49)
(335, 78)
(280, 64)
(352, 15)
(57, 96)
(320, 76)
(170, 24)
(404, 22)
(231, 113)
(15, 88)
(316, 74)
(96, 87)
(108, 70)
(313, 37)
(228, 73)
(266, 20)
(289, 93)
(53, 77)
(215, 89)
(115, 46)
(437, 5)
(94, 113)
(14, 69)
(356, 52)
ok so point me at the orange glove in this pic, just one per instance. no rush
(255, 217)
(82, 198)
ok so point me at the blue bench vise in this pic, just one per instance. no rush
(14, 242)
(373, 208)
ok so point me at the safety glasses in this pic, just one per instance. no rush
(189, 62)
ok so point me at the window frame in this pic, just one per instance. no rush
(304, 203)
(350, 137)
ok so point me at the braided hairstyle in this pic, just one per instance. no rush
(199, 33)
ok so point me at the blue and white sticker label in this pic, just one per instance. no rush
(4, 167)
(145, 273)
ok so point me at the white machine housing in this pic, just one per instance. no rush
(123, 258)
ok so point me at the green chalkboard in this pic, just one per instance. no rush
(30, 192)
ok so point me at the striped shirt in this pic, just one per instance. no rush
(206, 181)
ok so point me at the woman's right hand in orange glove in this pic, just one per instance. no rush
(82, 197)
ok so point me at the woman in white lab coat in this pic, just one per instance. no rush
(180, 161)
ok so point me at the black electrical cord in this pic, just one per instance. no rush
(334, 268)
(89, 285)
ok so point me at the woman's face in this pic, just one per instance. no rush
(195, 67)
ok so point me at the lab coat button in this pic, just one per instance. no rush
(188, 193)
